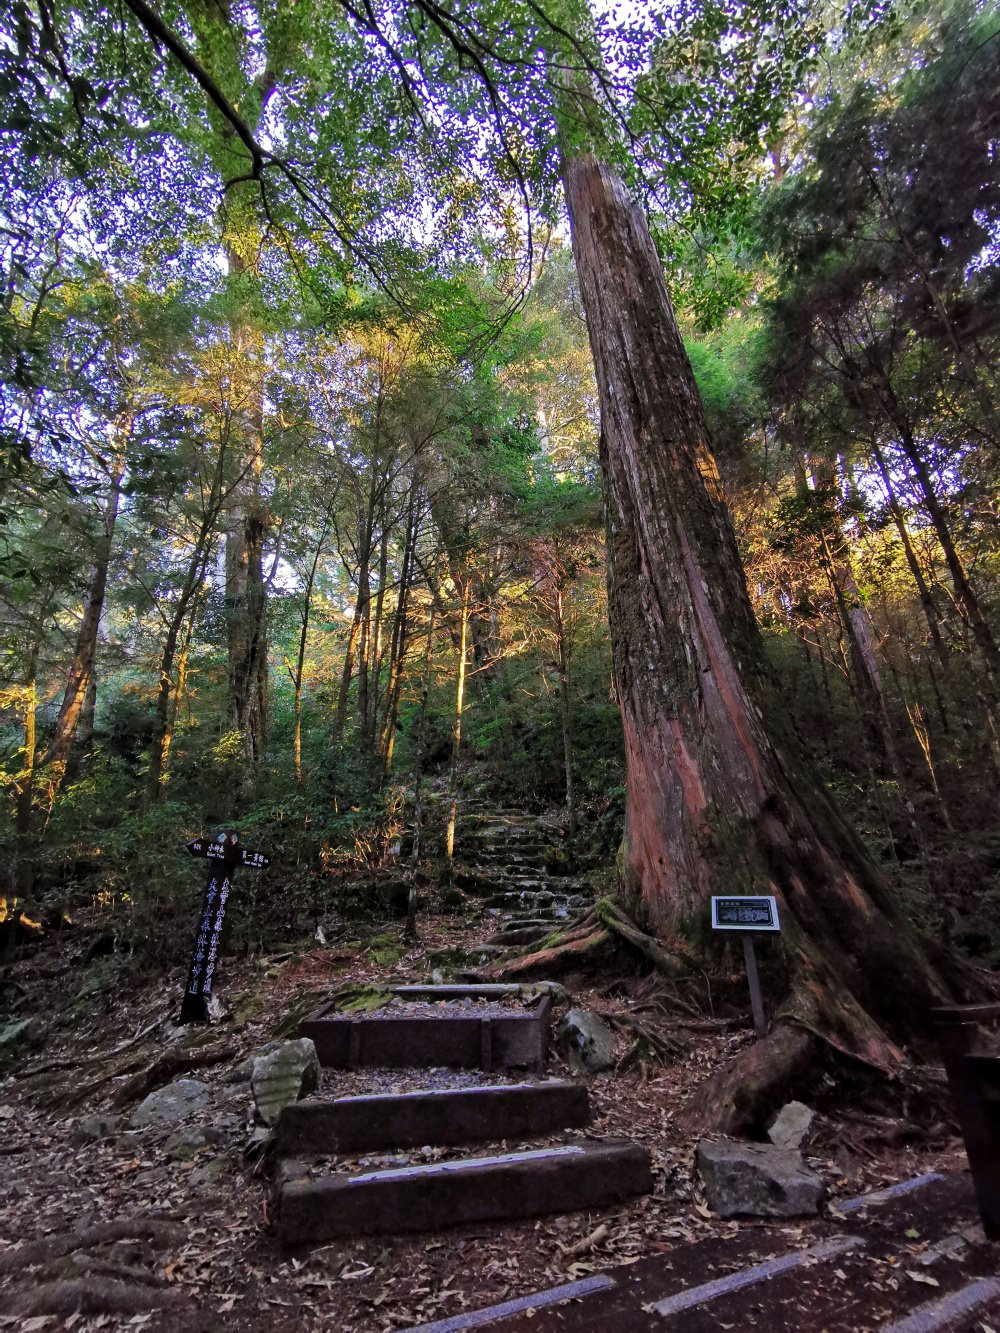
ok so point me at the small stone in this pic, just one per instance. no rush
(792, 1126)
(188, 1141)
(171, 1104)
(757, 1180)
(210, 1172)
(587, 1041)
(282, 1077)
(93, 1128)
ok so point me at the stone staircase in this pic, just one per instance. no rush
(538, 1158)
(534, 1157)
(511, 865)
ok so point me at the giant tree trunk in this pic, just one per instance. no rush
(720, 792)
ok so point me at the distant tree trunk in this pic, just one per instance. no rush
(246, 529)
(346, 676)
(965, 595)
(720, 791)
(82, 666)
(565, 711)
(369, 720)
(246, 602)
(298, 670)
(910, 555)
(456, 731)
(24, 787)
(418, 783)
(159, 748)
(400, 632)
(360, 617)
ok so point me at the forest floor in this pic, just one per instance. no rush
(101, 1223)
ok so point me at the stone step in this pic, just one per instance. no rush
(445, 1194)
(482, 990)
(512, 1040)
(317, 1127)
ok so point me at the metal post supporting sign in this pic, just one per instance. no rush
(747, 915)
(223, 856)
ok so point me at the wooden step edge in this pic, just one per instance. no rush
(441, 1116)
(457, 1193)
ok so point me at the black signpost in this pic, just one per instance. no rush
(223, 855)
(747, 915)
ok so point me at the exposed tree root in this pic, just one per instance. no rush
(591, 938)
(615, 919)
(157, 1230)
(101, 1057)
(649, 1048)
(581, 946)
(746, 1094)
(89, 1296)
(168, 1065)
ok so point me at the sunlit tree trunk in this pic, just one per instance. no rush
(85, 651)
(456, 731)
(296, 673)
(720, 791)
(201, 549)
(25, 787)
(418, 782)
(246, 528)
(400, 633)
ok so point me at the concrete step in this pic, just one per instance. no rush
(316, 1127)
(444, 1194)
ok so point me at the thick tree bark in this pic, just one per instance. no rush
(720, 792)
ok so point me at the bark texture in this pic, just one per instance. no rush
(721, 795)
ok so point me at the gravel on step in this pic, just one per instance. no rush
(467, 1007)
(366, 1082)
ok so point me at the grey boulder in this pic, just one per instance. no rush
(282, 1077)
(792, 1126)
(587, 1041)
(170, 1105)
(757, 1180)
